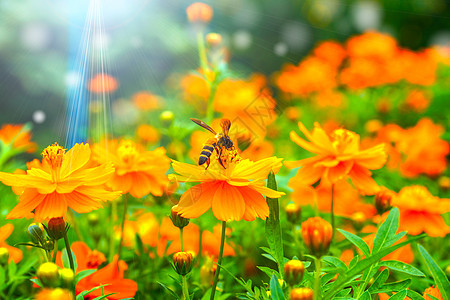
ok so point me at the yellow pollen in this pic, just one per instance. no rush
(54, 155)
(341, 138)
(127, 151)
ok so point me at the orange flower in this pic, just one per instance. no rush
(15, 254)
(148, 134)
(199, 13)
(317, 233)
(138, 172)
(19, 136)
(417, 100)
(329, 98)
(432, 291)
(338, 156)
(102, 83)
(65, 180)
(146, 101)
(347, 200)
(234, 193)
(331, 52)
(196, 88)
(112, 275)
(420, 211)
(54, 294)
(372, 45)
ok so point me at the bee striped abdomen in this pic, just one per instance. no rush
(205, 154)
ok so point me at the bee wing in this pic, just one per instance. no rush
(226, 124)
(203, 124)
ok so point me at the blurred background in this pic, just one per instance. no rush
(143, 44)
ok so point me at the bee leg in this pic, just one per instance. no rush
(207, 163)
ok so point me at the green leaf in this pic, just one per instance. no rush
(104, 296)
(400, 295)
(402, 267)
(276, 292)
(36, 281)
(414, 295)
(12, 269)
(364, 264)
(431, 297)
(365, 296)
(379, 281)
(26, 266)
(268, 271)
(344, 293)
(387, 231)
(439, 276)
(83, 274)
(81, 295)
(357, 241)
(354, 261)
(395, 286)
(336, 262)
(273, 226)
(168, 290)
(2, 277)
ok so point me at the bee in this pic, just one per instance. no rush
(219, 142)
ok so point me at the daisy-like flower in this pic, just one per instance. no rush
(234, 192)
(15, 254)
(62, 181)
(420, 211)
(138, 172)
(338, 156)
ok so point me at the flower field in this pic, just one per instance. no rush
(325, 178)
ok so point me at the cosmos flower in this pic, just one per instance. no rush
(338, 156)
(420, 211)
(64, 180)
(137, 171)
(19, 136)
(146, 101)
(15, 254)
(111, 275)
(234, 193)
(102, 83)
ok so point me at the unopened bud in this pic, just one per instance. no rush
(93, 219)
(4, 256)
(213, 39)
(54, 294)
(48, 274)
(383, 200)
(358, 219)
(317, 235)
(293, 271)
(56, 228)
(49, 245)
(293, 213)
(67, 277)
(183, 262)
(444, 182)
(199, 13)
(177, 220)
(166, 118)
(301, 294)
(36, 231)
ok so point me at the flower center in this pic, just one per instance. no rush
(95, 259)
(127, 151)
(54, 155)
(341, 138)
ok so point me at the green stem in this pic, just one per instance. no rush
(185, 288)
(297, 244)
(219, 262)
(202, 51)
(111, 237)
(332, 212)
(122, 227)
(317, 292)
(181, 240)
(69, 252)
(55, 251)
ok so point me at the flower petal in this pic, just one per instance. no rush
(362, 181)
(197, 200)
(255, 204)
(28, 201)
(228, 203)
(75, 158)
(308, 175)
(53, 206)
(81, 203)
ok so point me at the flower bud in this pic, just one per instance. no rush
(213, 39)
(301, 294)
(383, 200)
(36, 231)
(67, 277)
(48, 274)
(56, 228)
(166, 118)
(293, 272)
(48, 245)
(293, 213)
(183, 262)
(93, 219)
(177, 220)
(444, 182)
(317, 235)
(358, 219)
(4, 256)
(199, 13)
(54, 294)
